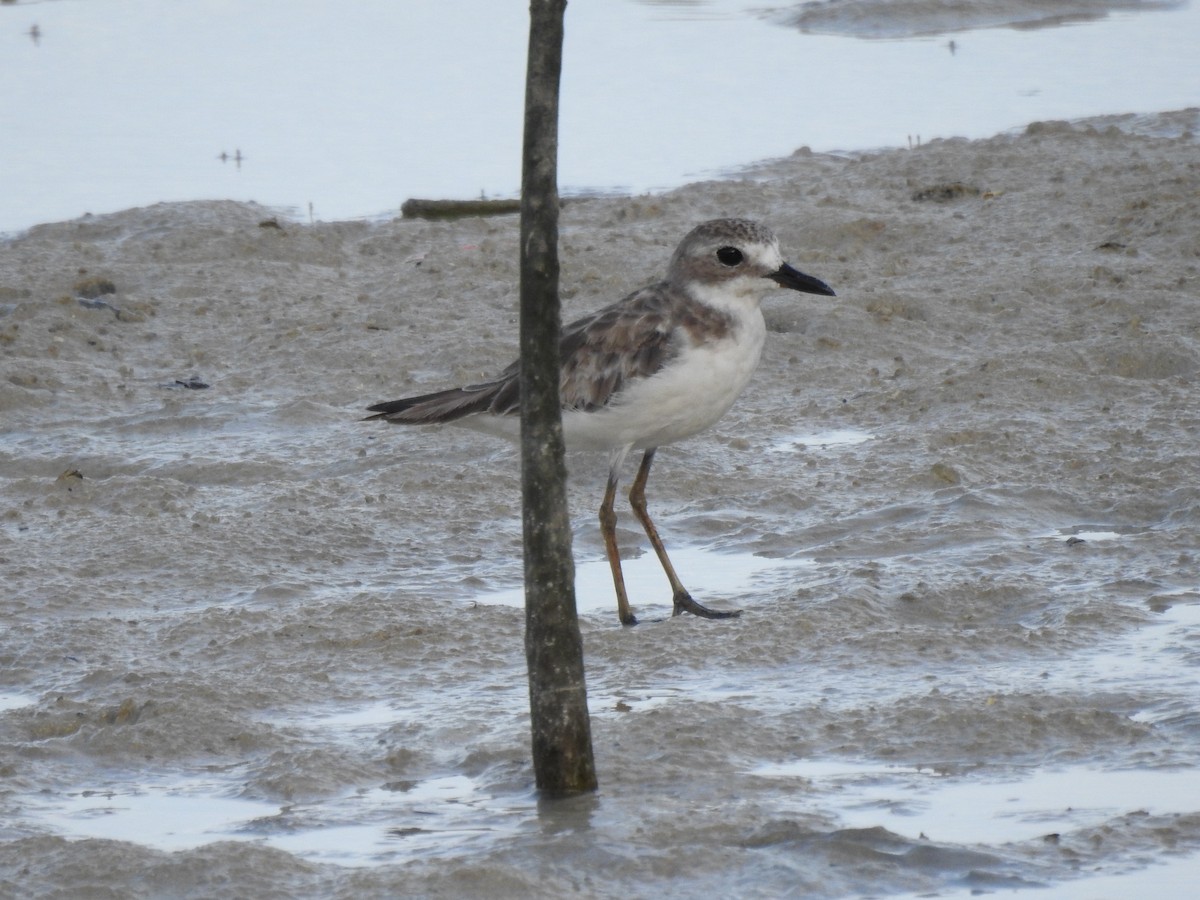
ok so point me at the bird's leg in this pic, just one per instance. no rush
(608, 528)
(682, 599)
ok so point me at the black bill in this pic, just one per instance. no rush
(786, 276)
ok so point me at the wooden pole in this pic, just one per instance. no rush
(562, 740)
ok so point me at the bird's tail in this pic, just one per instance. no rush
(446, 406)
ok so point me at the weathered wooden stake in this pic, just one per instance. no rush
(562, 739)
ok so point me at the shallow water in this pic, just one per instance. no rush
(722, 574)
(455, 816)
(1025, 804)
(347, 110)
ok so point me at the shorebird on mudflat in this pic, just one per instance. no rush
(661, 365)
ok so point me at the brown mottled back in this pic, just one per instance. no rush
(597, 361)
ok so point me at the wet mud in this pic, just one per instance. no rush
(252, 643)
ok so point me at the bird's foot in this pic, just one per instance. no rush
(684, 603)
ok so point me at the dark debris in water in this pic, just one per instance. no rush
(91, 288)
(89, 291)
(98, 304)
(70, 478)
(945, 192)
(191, 384)
(457, 209)
(407, 832)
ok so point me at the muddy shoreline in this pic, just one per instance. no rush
(245, 593)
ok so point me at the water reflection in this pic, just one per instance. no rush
(897, 19)
(724, 576)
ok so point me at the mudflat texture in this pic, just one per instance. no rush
(219, 584)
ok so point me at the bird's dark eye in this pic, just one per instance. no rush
(730, 256)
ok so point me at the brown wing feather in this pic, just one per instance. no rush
(446, 406)
(601, 354)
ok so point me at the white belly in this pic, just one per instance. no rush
(685, 397)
